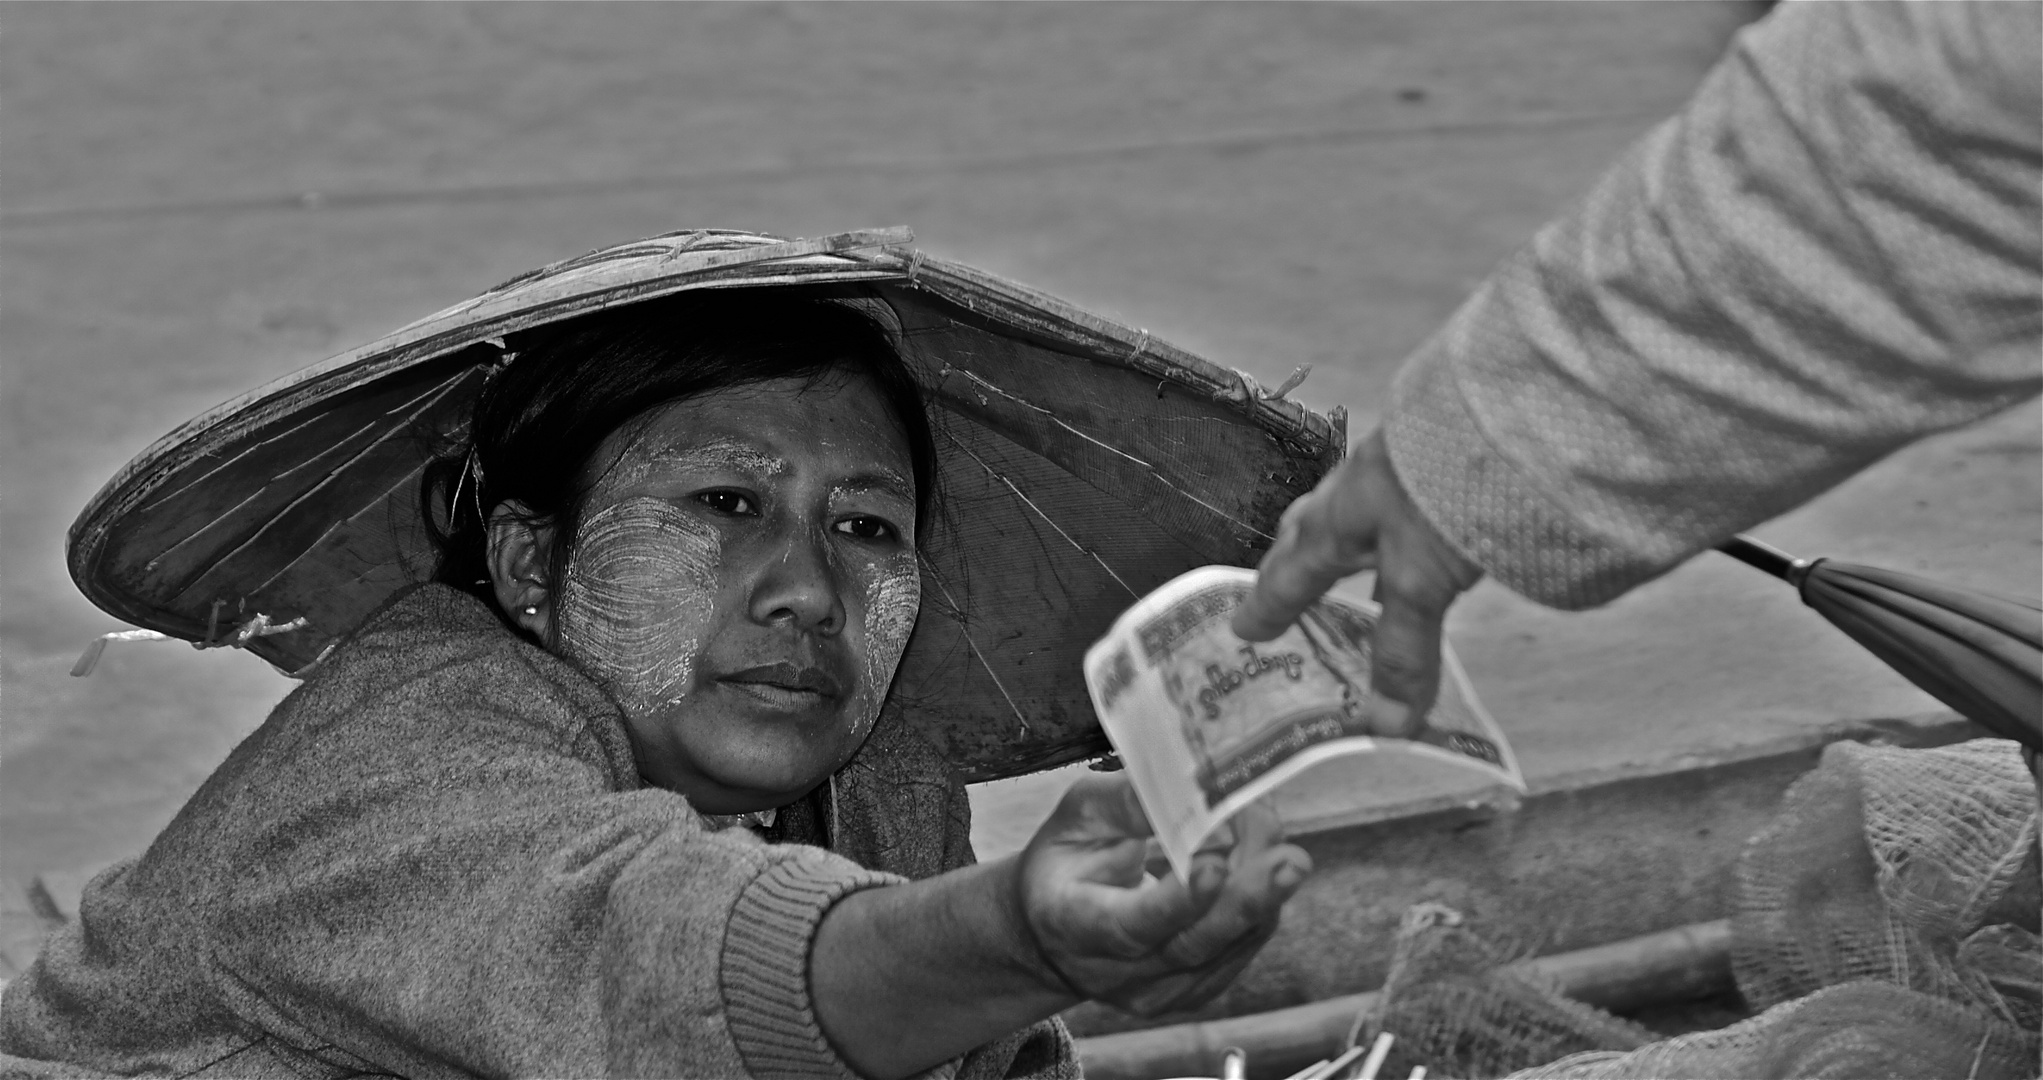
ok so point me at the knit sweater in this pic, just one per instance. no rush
(436, 858)
(1834, 249)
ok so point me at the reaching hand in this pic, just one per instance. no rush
(1359, 518)
(1149, 946)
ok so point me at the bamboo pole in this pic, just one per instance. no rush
(1673, 965)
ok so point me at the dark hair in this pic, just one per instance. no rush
(571, 384)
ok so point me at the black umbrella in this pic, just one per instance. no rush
(1978, 653)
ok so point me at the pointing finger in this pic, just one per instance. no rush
(1314, 549)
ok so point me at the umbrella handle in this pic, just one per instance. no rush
(1768, 558)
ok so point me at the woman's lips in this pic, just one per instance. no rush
(784, 685)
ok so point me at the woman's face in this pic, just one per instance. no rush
(743, 583)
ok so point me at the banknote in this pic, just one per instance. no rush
(1207, 723)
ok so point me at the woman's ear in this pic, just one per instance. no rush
(520, 560)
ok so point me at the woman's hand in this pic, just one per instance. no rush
(1149, 945)
(905, 977)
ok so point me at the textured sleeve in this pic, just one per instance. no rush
(901, 808)
(436, 859)
(492, 898)
(1832, 251)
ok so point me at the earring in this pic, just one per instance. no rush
(531, 609)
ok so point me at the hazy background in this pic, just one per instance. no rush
(197, 199)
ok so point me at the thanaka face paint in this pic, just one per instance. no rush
(637, 600)
(636, 462)
(745, 584)
(892, 591)
(641, 584)
(893, 596)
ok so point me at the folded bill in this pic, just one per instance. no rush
(1208, 724)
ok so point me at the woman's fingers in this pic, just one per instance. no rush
(1232, 869)
(1189, 989)
(1203, 959)
(1193, 988)
(1247, 906)
(1142, 920)
(1125, 938)
(1097, 832)
(1087, 892)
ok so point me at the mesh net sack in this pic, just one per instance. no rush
(1886, 923)
(1915, 867)
(1855, 1031)
(1456, 1007)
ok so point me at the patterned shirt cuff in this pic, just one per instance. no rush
(1482, 504)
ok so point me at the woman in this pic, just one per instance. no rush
(616, 795)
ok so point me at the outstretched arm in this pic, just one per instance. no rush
(1836, 248)
(906, 977)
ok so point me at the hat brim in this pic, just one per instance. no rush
(1082, 463)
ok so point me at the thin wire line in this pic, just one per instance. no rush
(967, 634)
(990, 471)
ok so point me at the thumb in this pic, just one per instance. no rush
(1156, 910)
(1419, 574)
(1404, 659)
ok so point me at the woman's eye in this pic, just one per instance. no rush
(727, 502)
(867, 528)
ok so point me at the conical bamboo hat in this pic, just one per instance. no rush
(1082, 463)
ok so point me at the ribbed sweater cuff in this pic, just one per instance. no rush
(766, 965)
(1484, 505)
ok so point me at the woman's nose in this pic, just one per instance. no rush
(800, 586)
